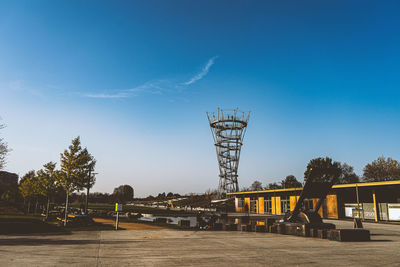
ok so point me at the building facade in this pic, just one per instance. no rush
(377, 201)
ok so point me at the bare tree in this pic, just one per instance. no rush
(3, 150)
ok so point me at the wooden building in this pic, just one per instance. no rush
(378, 201)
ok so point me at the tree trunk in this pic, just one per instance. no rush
(66, 211)
(29, 205)
(37, 200)
(87, 200)
(47, 210)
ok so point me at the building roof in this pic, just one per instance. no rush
(384, 183)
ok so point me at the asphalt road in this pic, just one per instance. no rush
(166, 247)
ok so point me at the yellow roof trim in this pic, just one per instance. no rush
(367, 184)
(267, 191)
(335, 186)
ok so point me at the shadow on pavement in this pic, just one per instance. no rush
(40, 242)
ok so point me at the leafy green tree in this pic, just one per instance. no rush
(272, 186)
(71, 171)
(3, 150)
(9, 186)
(322, 170)
(47, 182)
(382, 169)
(290, 182)
(9, 190)
(28, 187)
(256, 186)
(160, 196)
(210, 194)
(8, 196)
(87, 177)
(124, 193)
(348, 175)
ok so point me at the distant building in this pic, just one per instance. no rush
(8, 179)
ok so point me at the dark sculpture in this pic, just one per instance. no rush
(300, 221)
(311, 217)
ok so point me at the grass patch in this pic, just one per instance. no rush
(14, 224)
(29, 224)
(138, 209)
(19, 218)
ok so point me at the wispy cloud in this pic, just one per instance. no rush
(202, 73)
(101, 95)
(153, 87)
(158, 87)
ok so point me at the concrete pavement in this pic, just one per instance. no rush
(166, 247)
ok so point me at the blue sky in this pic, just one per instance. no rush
(134, 80)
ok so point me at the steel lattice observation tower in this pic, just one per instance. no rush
(228, 128)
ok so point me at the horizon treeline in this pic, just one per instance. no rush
(381, 169)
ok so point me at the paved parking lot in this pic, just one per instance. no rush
(165, 247)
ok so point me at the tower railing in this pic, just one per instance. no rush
(228, 128)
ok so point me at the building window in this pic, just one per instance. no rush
(240, 202)
(308, 204)
(267, 205)
(253, 204)
(285, 204)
